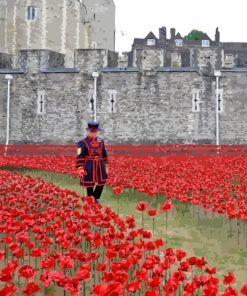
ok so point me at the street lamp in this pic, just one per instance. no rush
(95, 75)
(9, 78)
(217, 74)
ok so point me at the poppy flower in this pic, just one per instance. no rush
(2, 255)
(230, 292)
(166, 206)
(46, 278)
(117, 190)
(141, 206)
(9, 290)
(154, 281)
(229, 279)
(152, 293)
(133, 286)
(27, 271)
(244, 289)
(180, 254)
(66, 262)
(210, 271)
(31, 288)
(152, 212)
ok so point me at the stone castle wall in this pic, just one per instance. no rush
(152, 104)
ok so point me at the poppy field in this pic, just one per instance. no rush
(55, 241)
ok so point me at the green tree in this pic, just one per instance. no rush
(194, 35)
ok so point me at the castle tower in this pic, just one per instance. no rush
(101, 24)
(56, 25)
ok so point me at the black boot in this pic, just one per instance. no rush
(97, 192)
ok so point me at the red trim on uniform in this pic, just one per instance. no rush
(101, 175)
(96, 161)
(87, 146)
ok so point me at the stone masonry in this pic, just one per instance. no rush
(146, 102)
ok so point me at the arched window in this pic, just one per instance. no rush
(94, 45)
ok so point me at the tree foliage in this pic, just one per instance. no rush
(194, 35)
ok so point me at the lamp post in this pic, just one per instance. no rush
(9, 78)
(217, 74)
(95, 75)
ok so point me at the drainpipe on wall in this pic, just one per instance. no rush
(217, 74)
(9, 78)
(95, 76)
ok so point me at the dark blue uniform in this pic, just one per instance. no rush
(92, 156)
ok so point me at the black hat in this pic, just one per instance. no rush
(93, 126)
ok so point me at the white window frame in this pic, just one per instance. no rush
(41, 97)
(179, 42)
(205, 43)
(151, 42)
(196, 105)
(29, 14)
(220, 100)
(112, 95)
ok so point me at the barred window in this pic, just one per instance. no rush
(41, 102)
(220, 100)
(31, 13)
(196, 101)
(112, 101)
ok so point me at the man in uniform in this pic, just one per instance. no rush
(92, 162)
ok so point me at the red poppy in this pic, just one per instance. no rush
(180, 254)
(244, 289)
(152, 293)
(210, 271)
(229, 279)
(83, 273)
(2, 255)
(117, 190)
(27, 271)
(154, 281)
(141, 206)
(47, 263)
(46, 278)
(166, 206)
(141, 274)
(8, 290)
(152, 212)
(133, 286)
(31, 288)
(170, 287)
(66, 262)
(101, 266)
(230, 292)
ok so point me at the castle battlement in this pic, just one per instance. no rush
(162, 91)
(204, 60)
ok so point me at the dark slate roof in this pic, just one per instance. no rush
(118, 69)
(150, 36)
(181, 69)
(205, 37)
(11, 71)
(60, 70)
(240, 69)
(178, 36)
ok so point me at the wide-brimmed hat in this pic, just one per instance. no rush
(93, 126)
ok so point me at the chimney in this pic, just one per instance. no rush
(217, 35)
(173, 32)
(162, 34)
